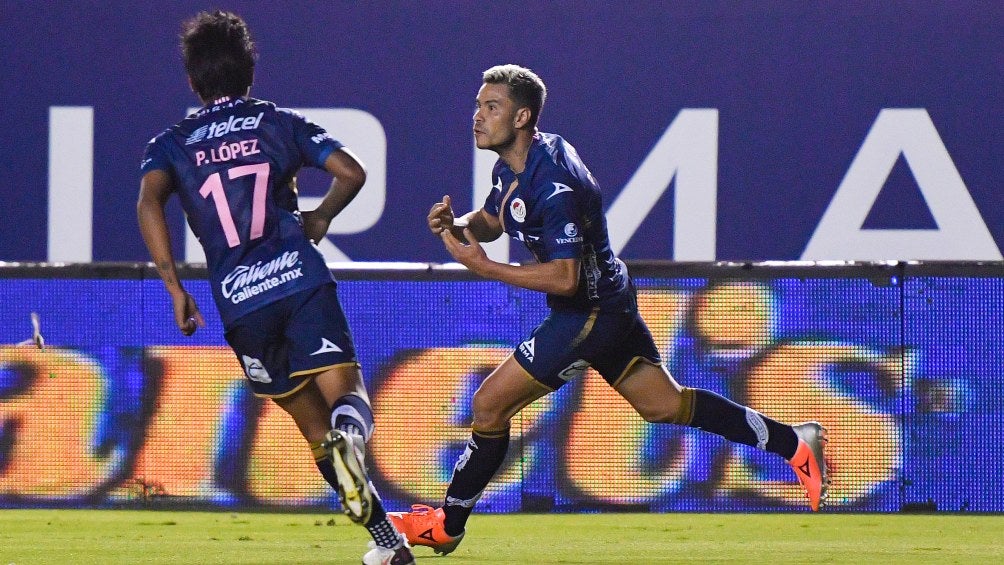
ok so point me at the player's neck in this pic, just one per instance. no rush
(514, 154)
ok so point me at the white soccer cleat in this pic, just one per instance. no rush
(400, 555)
(353, 484)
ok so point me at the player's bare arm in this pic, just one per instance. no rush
(349, 177)
(155, 188)
(560, 276)
(483, 225)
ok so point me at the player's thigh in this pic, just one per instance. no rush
(562, 347)
(619, 344)
(257, 341)
(320, 345)
(309, 410)
(651, 391)
(506, 391)
(339, 381)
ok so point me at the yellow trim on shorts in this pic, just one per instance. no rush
(533, 380)
(627, 369)
(586, 328)
(300, 374)
(316, 370)
(285, 394)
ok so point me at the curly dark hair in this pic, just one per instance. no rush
(219, 54)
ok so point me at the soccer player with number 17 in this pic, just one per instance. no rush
(233, 165)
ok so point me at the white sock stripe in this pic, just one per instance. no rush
(759, 427)
(350, 411)
(469, 503)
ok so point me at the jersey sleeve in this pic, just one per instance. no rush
(314, 142)
(494, 198)
(155, 157)
(561, 236)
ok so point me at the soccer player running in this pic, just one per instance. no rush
(233, 165)
(544, 196)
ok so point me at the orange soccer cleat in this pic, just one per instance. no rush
(424, 526)
(810, 464)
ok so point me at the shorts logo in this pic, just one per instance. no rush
(571, 230)
(327, 347)
(574, 370)
(518, 210)
(526, 348)
(255, 370)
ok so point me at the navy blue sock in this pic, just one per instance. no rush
(352, 415)
(713, 413)
(484, 455)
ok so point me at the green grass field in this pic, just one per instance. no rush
(78, 537)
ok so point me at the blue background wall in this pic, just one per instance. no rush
(797, 88)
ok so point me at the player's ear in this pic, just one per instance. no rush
(522, 118)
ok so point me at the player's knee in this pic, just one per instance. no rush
(489, 414)
(658, 414)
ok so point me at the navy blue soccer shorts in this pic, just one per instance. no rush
(288, 341)
(565, 344)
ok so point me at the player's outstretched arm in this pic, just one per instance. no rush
(154, 189)
(349, 177)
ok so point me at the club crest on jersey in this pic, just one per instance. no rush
(255, 370)
(518, 210)
(526, 348)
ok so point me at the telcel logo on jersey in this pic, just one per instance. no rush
(219, 129)
(244, 281)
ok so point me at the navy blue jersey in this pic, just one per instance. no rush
(233, 164)
(555, 208)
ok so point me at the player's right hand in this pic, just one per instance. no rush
(441, 216)
(186, 313)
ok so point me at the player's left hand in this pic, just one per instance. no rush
(315, 225)
(186, 313)
(470, 255)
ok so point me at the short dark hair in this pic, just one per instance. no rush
(219, 54)
(525, 87)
